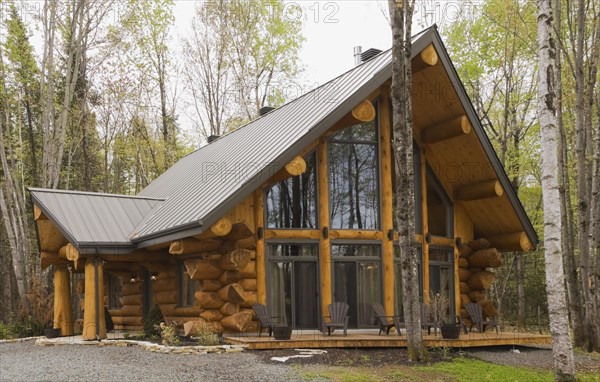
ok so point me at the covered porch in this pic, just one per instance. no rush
(368, 338)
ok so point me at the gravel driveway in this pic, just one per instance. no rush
(24, 361)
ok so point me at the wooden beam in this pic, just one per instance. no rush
(91, 305)
(63, 311)
(364, 111)
(295, 167)
(51, 258)
(426, 59)
(38, 214)
(191, 245)
(387, 197)
(259, 218)
(292, 234)
(69, 252)
(513, 241)
(136, 256)
(352, 234)
(50, 238)
(221, 228)
(445, 130)
(325, 247)
(490, 189)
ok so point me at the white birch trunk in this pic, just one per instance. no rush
(564, 367)
(401, 16)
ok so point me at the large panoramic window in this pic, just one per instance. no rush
(292, 203)
(440, 212)
(353, 178)
(417, 190)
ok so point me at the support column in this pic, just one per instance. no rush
(259, 218)
(94, 325)
(63, 311)
(325, 247)
(387, 218)
(425, 254)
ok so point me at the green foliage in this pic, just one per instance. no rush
(208, 334)
(168, 333)
(6, 331)
(152, 322)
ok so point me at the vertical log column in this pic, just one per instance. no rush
(63, 312)
(425, 254)
(259, 218)
(387, 218)
(325, 247)
(94, 298)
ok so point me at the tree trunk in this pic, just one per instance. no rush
(564, 366)
(401, 18)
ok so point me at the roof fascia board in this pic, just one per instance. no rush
(315, 133)
(483, 138)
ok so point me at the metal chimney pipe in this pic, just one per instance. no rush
(357, 53)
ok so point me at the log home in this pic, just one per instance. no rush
(295, 210)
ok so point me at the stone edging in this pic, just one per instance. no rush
(24, 339)
(150, 346)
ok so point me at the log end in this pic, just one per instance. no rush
(364, 111)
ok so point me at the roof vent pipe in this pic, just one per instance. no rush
(357, 53)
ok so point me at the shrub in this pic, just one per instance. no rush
(168, 333)
(208, 333)
(6, 331)
(152, 322)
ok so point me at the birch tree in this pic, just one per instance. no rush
(401, 100)
(564, 366)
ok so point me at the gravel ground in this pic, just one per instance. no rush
(26, 362)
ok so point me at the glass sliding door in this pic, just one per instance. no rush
(294, 284)
(357, 280)
(441, 274)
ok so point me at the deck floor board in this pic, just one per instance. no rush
(362, 338)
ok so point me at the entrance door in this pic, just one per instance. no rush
(294, 284)
(357, 281)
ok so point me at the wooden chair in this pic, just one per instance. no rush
(426, 321)
(264, 320)
(382, 320)
(338, 314)
(476, 313)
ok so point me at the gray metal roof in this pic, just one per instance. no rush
(201, 187)
(91, 219)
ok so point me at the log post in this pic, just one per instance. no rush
(426, 59)
(325, 249)
(63, 311)
(491, 189)
(445, 130)
(387, 219)
(259, 216)
(94, 326)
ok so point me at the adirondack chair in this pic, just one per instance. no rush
(426, 321)
(264, 320)
(338, 314)
(382, 320)
(476, 313)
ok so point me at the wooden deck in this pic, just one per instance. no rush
(370, 339)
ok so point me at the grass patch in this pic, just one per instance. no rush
(463, 369)
(456, 370)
